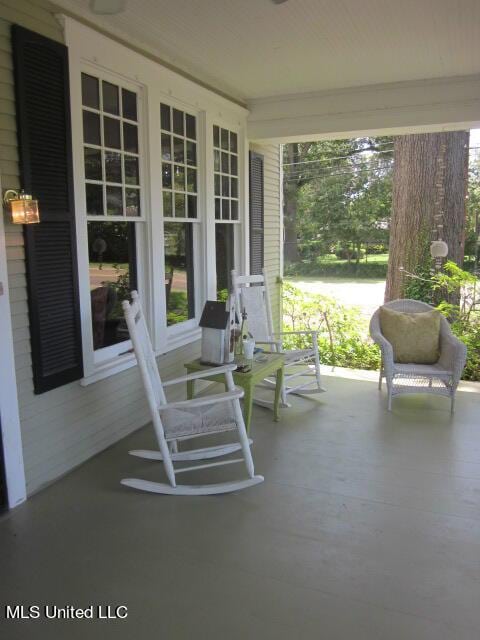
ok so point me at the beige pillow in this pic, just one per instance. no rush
(415, 337)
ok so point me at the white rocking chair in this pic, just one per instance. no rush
(256, 302)
(175, 422)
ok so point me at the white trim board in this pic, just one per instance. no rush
(421, 106)
(11, 434)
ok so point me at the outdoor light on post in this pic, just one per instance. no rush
(23, 208)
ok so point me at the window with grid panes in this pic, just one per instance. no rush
(225, 163)
(112, 186)
(180, 201)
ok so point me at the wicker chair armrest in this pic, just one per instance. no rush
(201, 401)
(386, 349)
(453, 354)
(205, 373)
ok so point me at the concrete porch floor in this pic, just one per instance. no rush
(367, 527)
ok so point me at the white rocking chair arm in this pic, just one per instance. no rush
(228, 396)
(201, 374)
(278, 343)
(308, 332)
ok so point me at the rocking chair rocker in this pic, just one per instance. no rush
(175, 422)
(256, 302)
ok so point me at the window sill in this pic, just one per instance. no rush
(180, 339)
(109, 368)
(128, 360)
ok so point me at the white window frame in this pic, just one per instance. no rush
(96, 362)
(240, 236)
(88, 49)
(177, 334)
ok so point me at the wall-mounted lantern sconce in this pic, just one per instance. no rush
(23, 208)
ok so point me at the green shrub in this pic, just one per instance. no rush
(343, 332)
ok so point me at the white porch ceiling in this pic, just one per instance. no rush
(253, 49)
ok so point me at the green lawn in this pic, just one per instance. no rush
(330, 266)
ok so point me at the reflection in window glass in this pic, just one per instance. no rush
(111, 148)
(224, 254)
(179, 278)
(180, 178)
(112, 268)
(225, 166)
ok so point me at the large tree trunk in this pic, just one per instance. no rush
(429, 176)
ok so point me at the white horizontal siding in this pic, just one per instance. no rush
(66, 426)
(273, 220)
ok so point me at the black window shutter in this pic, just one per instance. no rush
(45, 150)
(256, 213)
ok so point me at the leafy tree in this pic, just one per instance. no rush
(337, 193)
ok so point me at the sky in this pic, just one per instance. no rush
(475, 137)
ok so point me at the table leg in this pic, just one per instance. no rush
(278, 393)
(247, 405)
(190, 389)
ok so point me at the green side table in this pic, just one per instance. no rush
(270, 365)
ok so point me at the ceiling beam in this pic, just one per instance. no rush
(386, 109)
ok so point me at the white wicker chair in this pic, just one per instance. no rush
(441, 378)
(256, 301)
(175, 422)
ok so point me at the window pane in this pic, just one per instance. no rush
(94, 194)
(225, 258)
(190, 126)
(191, 153)
(217, 185)
(179, 278)
(216, 136)
(112, 267)
(113, 166)
(192, 206)
(132, 198)
(166, 146)
(110, 98)
(179, 205)
(111, 132)
(234, 187)
(233, 142)
(167, 204)
(91, 128)
(234, 210)
(165, 122)
(178, 150)
(225, 209)
(218, 211)
(224, 162)
(167, 176)
(114, 201)
(129, 104)
(130, 137)
(132, 175)
(216, 160)
(192, 180)
(93, 164)
(225, 186)
(178, 122)
(179, 177)
(90, 94)
(233, 165)
(224, 140)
